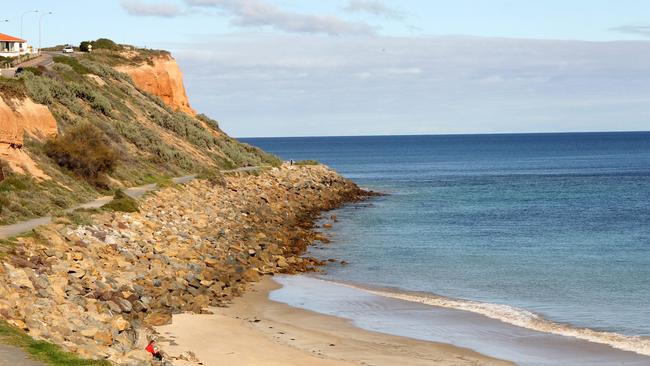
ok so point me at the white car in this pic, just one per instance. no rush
(68, 49)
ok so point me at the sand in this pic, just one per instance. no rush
(257, 331)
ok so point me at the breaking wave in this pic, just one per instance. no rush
(519, 317)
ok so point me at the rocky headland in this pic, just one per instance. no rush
(98, 289)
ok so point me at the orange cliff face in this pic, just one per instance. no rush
(162, 78)
(23, 117)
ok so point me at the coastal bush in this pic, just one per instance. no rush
(11, 88)
(4, 202)
(102, 70)
(45, 90)
(14, 182)
(246, 155)
(306, 162)
(213, 176)
(84, 46)
(81, 216)
(73, 63)
(146, 140)
(209, 121)
(38, 71)
(122, 203)
(85, 150)
(97, 101)
(105, 43)
(186, 127)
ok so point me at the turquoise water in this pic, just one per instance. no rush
(557, 225)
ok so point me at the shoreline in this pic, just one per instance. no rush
(256, 330)
(375, 311)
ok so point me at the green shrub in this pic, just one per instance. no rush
(15, 182)
(306, 162)
(81, 216)
(45, 90)
(11, 88)
(35, 70)
(85, 150)
(104, 43)
(209, 121)
(4, 202)
(213, 176)
(84, 46)
(97, 101)
(74, 63)
(122, 203)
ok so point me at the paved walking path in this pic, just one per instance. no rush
(14, 356)
(8, 231)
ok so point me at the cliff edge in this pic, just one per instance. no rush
(162, 77)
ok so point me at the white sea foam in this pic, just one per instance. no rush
(521, 318)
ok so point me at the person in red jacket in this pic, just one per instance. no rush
(153, 349)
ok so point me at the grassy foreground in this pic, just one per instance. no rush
(45, 352)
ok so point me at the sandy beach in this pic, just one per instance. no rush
(257, 331)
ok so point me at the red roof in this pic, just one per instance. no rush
(8, 38)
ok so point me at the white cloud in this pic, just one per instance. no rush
(256, 13)
(643, 30)
(158, 9)
(373, 7)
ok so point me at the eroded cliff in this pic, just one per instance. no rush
(18, 118)
(162, 77)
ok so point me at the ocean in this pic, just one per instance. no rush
(544, 232)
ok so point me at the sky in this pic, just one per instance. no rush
(373, 67)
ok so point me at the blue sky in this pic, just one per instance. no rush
(346, 67)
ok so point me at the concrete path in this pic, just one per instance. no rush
(8, 231)
(18, 228)
(14, 356)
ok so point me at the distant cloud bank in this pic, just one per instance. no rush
(373, 7)
(643, 30)
(291, 85)
(146, 9)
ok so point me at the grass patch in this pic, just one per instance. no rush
(79, 217)
(306, 162)
(46, 352)
(10, 89)
(160, 181)
(73, 63)
(122, 203)
(213, 176)
(15, 182)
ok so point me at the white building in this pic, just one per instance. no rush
(12, 46)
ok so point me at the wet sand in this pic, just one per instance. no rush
(258, 331)
(412, 319)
